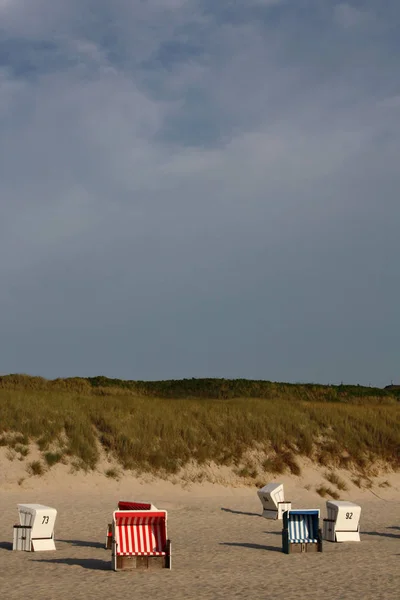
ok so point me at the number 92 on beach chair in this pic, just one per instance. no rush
(139, 540)
(301, 532)
(36, 529)
(343, 522)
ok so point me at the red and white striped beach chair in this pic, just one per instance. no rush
(126, 505)
(140, 540)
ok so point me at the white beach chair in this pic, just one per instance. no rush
(36, 529)
(343, 522)
(273, 501)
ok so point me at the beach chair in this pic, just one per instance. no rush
(35, 531)
(126, 505)
(301, 532)
(272, 500)
(343, 522)
(139, 540)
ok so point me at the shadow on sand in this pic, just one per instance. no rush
(388, 535)
(6, 545)
(252, 546)
(94, 564)
(83, 543)
(240, 512)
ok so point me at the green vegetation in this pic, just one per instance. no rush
(385, 484)
(13, 440)
(333, 478)
(162, 426)
(35, 468)
(112, 473)
(208, 388)
(52, 458)
(324, 491)
(22, 450)
(247, 471)
(284, 460)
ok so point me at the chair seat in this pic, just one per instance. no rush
(142, 553)
(303, 541)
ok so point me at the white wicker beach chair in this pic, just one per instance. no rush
(343, 522)
(36, 529)
(273, 501)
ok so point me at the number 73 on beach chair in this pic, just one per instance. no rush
(139, 540)
(36, 529)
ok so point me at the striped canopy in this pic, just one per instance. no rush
(140, 533)
(303, 526)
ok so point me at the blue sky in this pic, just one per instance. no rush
(191, 188)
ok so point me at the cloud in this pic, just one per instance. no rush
(390, 102)
(348, 16)
(191, 188)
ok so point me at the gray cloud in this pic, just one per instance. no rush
(200, 189)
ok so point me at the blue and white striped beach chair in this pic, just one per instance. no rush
(301, 532)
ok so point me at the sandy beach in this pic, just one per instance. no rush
(222, 548)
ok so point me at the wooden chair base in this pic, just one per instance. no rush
(300, 548)
(141, 563)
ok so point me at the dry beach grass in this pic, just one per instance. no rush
(73, 420)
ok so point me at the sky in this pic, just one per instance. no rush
(200, 188)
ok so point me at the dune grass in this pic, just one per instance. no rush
(68, 418)
(35, 468)
(208, 388)
(325, 491)
(334, 478)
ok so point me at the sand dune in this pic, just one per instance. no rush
(222, 548)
